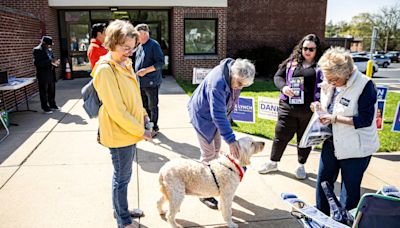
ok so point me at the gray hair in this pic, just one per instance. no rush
(336, 61)
(243, 70)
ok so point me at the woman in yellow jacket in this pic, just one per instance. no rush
(122, 116)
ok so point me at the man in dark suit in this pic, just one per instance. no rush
(45, 63)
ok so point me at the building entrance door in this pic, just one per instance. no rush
(78, 43)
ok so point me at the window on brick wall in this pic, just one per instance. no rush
(200, 36)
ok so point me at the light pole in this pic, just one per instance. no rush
(374, 37)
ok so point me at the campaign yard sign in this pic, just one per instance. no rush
(268, 108)
(199, 74)
(396, 121)
(244, 110)
(382, 92)
(380, 114)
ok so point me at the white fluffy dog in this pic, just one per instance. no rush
(221, 178)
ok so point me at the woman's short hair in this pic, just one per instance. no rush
(243, 70)
(336, 61)
(117, 32)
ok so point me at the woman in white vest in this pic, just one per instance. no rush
(348, 104)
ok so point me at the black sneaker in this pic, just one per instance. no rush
(210, 202)
(135, 213)
(54, 108)
(47, 111)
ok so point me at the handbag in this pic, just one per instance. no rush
(91, 101)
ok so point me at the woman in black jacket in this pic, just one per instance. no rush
(297, 79)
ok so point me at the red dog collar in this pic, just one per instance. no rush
(240, 169)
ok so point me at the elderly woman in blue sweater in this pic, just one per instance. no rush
(348, 104)
(210, 107)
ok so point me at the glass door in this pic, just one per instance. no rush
(78, 43)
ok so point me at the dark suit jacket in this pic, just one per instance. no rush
(42, 61)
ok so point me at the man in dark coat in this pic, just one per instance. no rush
(149, 61)
(44, 62)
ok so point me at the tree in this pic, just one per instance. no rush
(388, 22)
(387, 19)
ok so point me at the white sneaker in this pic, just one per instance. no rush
(300, 173)
(268, 167)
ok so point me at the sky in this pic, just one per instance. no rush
(344, 10)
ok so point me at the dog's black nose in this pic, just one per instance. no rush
(263, 143)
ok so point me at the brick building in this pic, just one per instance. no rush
(191, 33)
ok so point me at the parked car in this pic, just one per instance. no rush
(361, 63)
(394, 56)
(362, 53)
(382, 60)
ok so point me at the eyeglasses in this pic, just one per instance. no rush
(241, 84)
(309, 49)
(127, 48)
(333, 80)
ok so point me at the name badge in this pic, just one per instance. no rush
(344, 101)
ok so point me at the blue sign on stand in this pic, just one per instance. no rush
(396, 121)
(244, 110)
(382, 92)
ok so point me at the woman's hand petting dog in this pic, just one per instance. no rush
(234, 149)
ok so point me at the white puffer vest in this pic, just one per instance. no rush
(348, 141)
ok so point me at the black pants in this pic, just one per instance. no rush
(47, 92)
(150, 103)
(291, 119)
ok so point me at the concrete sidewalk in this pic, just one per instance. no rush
(54, 174)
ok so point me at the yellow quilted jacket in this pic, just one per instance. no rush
(121, 117)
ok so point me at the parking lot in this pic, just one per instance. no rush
(389, 76)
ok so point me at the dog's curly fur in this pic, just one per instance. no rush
(182, 177)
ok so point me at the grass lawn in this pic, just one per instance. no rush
(390, 141)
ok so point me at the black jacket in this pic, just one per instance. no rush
(44, 69)
(309, 75)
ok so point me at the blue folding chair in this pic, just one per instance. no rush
(381, 209)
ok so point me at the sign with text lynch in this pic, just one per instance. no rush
(268, 108)
(244, 110)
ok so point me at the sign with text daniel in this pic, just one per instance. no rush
(268, 108)
(199, 74)
(244, 110)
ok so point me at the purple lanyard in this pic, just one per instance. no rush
(289, 75)
(318, 80)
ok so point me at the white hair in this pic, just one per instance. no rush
(243, 70)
